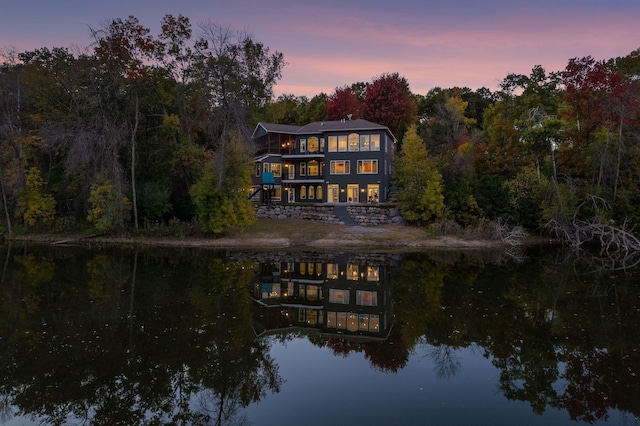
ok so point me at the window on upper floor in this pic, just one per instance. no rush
(342, 143)
(314, 144)
(276, 168)
(303, 145)
(339, 167)
(375, 143)
(313, 168)
(353, 142)
(367, 167)
(364, 142)
(303, 169)
(333, 144)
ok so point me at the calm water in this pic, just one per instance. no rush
(107, 336)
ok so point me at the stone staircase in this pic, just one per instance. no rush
(342, 213)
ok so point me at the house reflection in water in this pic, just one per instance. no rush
(348, 296)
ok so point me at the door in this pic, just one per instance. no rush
(353, 193)
(332, 193)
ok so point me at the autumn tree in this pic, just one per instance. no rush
(343, 104)
(388, 101)
(418, 181)
(225, 205)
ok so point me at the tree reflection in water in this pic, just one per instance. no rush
(116, 336)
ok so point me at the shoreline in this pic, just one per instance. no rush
(278, 234)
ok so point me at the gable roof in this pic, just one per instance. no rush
(319, 127)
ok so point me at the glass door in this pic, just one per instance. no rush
(332, 193)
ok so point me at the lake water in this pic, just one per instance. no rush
(111, 336)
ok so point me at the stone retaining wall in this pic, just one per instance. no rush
(365, 215)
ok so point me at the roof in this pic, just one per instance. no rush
(320, 127)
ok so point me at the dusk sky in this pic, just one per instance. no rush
(330, 43)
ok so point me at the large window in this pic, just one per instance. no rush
(364, 142)
(375, 143)
(313, 144)
(367, 167)
(333, 144)
(276, 168)
(339, 167)
(366, 298)
(313, 168)
(353, 142)
(342, 143)
(339, 296)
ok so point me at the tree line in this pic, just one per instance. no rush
(138, 129)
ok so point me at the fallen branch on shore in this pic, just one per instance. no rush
(75, 239)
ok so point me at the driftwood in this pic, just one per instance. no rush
(596, 231)
(75, 239)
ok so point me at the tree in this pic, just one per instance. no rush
(343, 104)
(388, 101)
(36, 207)
(418, 181)
(225, 205)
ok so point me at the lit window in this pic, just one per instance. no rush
(313, 144)
(364, 322)
(331, 320)
(352, 322)
(265, 167)
(375, 143)
(312, 292)
(277, 193)
(303, 192)
(276, 169)
(339, 296)
(341, 320)
(303, 145)
(339, 167)
(312, 316)
(374, 322)
(353, 142)
(313, 168)
(342, 143)
(312, 194)
(332, 271)
(319, 192)
(373, 273)
(352, 271)
(366, 298)
(333, 144)
(367, 167)
(364, 142)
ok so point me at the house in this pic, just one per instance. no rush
(345, 161)
(341, 297)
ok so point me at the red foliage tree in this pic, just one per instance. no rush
(388, 101)
(343, 103)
